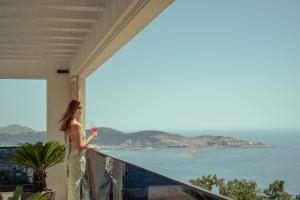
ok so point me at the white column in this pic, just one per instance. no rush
(60, 90)
(81, 98)
(58, 97)
(78, 93)
(74, 87)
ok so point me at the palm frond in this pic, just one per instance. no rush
(38, 155)
(16, 194)
(54, 154)
(39, 196)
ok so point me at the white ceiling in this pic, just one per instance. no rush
(48, 30)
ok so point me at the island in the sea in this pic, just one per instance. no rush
(112, 138)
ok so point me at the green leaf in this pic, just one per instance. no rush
(39, 196)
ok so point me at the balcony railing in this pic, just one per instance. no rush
(110, 178)
(12, 175)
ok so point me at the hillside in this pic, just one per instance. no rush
(109, 137)
(15, 129)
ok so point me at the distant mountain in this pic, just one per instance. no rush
(108, 137)
(14, 134)
(156, 139)
(14, 129)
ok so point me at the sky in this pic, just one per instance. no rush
(199, 65)
(23, 102)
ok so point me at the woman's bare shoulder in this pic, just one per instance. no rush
(75, 123)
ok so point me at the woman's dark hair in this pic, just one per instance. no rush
(68, 115)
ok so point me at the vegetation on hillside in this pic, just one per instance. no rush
(244, 189)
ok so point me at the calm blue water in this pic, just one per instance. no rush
(282, 161)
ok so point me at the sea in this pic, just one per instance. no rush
(264, 165)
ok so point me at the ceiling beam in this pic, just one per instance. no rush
(42, 26)
(48, 15)
(18, 57)
(37, 40)
(40, 47)
(70, 5)
(34, 33)
(36, 52)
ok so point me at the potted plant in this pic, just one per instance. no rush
(39, 157)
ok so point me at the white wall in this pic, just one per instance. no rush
(58, 96)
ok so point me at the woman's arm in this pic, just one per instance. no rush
(76, 137)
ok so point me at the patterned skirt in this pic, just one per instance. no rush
(75, 166)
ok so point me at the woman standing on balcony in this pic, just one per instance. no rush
(76, 145)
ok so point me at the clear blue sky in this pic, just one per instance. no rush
(199, 65)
